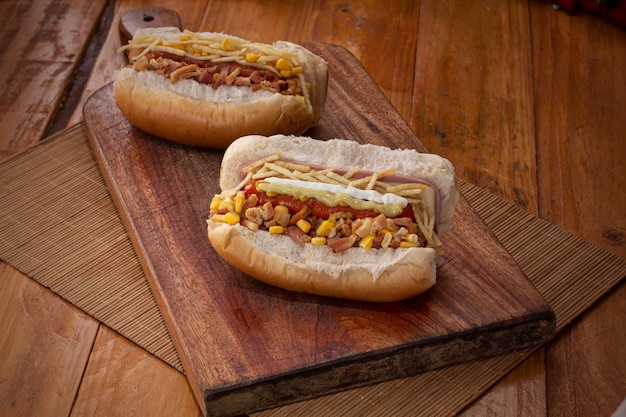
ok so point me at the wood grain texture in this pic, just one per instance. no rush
(521, 393)
(247, 345)
(45, 343)
(472, 98)
(39, 54)
(355, 25)
(119, 378)
(110, 60)
(580, 100)
(580, 97)
(601, 42)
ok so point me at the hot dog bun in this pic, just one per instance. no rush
(192, 113)
(375, 275)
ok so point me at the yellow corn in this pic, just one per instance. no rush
(218, 218)
(226, 204)
(297, 70)
(232, 218)
(240, 200)
(324, 228)
(283, 64)
(251, 57)
(281, 215)
(405, 244)
(277, 230)
(386, 240)
(367, 242)
(285, 73)
(318, 240)
(228, 45)
(304, 225)
(411, 237)
(215, 202)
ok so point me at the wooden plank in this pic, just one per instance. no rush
(120, 380)
(246, 345)
(382, 35)
(580, 96)
(44, 346)
(473, 98)
(110, 60)
(580, 101)
(42, 44)
(521, 393)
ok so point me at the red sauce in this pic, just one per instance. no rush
(318, 209)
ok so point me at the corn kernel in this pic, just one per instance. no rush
(283, 64)
(251, 57)
(386, 240)
(228, 45)
(215, 202)
(277, 230)
(318, 240)
(282, 215)
(226, 205)
(367, 242)
(218, 218)
(324, 228)
(411, 237)
(240, 200)
(232, 218)
(285, 73)
(303, 225)
(297, 70)
(405, 244)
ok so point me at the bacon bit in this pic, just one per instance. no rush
(341, 244)
(231, 77)
(141, 64)
(218, 80)
(298, 235)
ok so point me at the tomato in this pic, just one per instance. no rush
(318, 209)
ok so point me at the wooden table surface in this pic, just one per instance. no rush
(527, 101)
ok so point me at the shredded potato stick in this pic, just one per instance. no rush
(260, 163)
(293, 167)
(351, 172)
(338, 178)
(265, 173)
(233, 191)
(284, 171)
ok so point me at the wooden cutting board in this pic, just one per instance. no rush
(247, 346)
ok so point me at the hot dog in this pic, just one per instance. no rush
(207, 89)
(333, 218)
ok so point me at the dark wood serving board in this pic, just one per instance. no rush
(245, 345)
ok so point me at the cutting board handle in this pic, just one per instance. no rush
(146, 17)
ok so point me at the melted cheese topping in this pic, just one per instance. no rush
(332, 195)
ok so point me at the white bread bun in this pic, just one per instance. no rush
(196, 114)
(356, 274)
(380, 275)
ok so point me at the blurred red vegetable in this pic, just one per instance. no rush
(613, 9)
